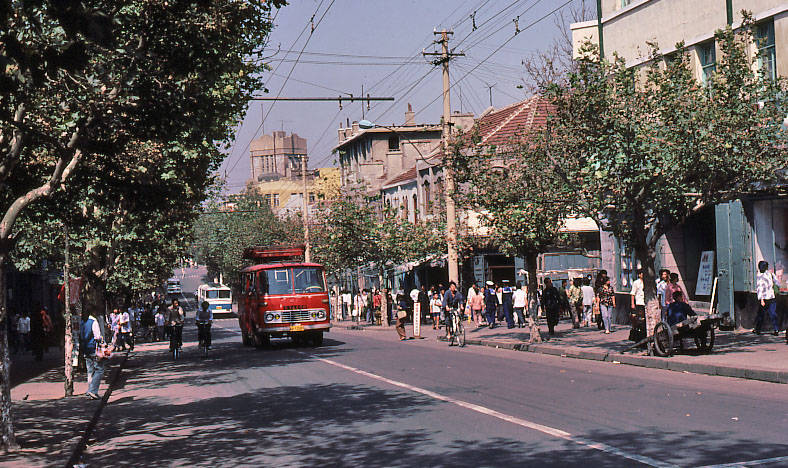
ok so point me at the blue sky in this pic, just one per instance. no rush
(377, 44)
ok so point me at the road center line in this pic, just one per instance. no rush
(551, 431)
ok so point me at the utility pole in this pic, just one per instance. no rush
(448, 174)
(305, 213)
(68, 346)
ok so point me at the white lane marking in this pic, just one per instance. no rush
(762, 461)
(558, 433)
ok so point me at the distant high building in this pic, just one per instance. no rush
(277, 156)
(277, 161)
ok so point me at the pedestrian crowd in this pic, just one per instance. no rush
(588, 301)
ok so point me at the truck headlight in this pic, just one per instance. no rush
(269, 317)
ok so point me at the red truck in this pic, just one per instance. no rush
(282, 296)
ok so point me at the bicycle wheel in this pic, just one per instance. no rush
(460, 334)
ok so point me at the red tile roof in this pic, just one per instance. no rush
(514, 121)
(408, 175)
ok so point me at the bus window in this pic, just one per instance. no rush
(278, 281)
(223, 294)
(308, 280)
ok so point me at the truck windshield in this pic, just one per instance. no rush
(298, 280)
(308, 280)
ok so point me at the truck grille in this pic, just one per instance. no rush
(298, 316)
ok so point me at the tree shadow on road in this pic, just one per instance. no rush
(361, 426)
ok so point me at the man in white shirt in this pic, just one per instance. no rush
(638, 293)
(23, 328)
(158, 333)
(124, 322)
(662, 283)
(767, 302)
(588, 301)
(519, 302)
(347, 300)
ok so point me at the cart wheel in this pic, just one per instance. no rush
(705, 342)
(663, 339)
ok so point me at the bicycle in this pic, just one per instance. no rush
(204, 335)
(455, 331)
(176, 341)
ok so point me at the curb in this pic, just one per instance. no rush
(754, 373)
(79, 449)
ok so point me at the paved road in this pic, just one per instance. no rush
(366, 399)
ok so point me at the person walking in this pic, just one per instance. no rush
(551, 304)
(588, 301)
(376, 306)
(638, 301)
(124, 323)
(662, 283)
(766, 287)
(490, 303)
(47, 329)
(506, 302)
(575, 296)
(520, 302)
(347, 300)
(476, 304)
(158, 333)
(601, 278)
(435, 310)
(607, 302)
(402, 315)
(424, 304)
(23, 328)
(90, 335)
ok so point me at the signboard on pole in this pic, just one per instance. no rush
(705, 274)
(416, 319)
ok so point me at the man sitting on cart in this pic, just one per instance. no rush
(678, 310)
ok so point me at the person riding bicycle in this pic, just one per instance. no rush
(175, 317)
(452, 304)
(203, 320)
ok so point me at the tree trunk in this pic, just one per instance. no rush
(68, 346)
(646, 255)
(533, 323)
(7, 435)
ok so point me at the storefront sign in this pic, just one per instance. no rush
(705, 274)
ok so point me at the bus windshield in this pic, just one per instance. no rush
(296, 280)
(217, 294)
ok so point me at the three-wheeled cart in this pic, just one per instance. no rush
(700, 328)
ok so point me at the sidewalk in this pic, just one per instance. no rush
(48, 425)
(738, 353)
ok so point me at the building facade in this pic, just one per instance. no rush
(742, 232)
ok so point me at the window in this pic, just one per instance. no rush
(625, 3)
(267, 198)
(405, 207)
(427, 199)
(311, 197)
(707, 56)
(308, 280)
(393, 143)
(764, 40)
(276, 199)
(277, 281)
(415, 207)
